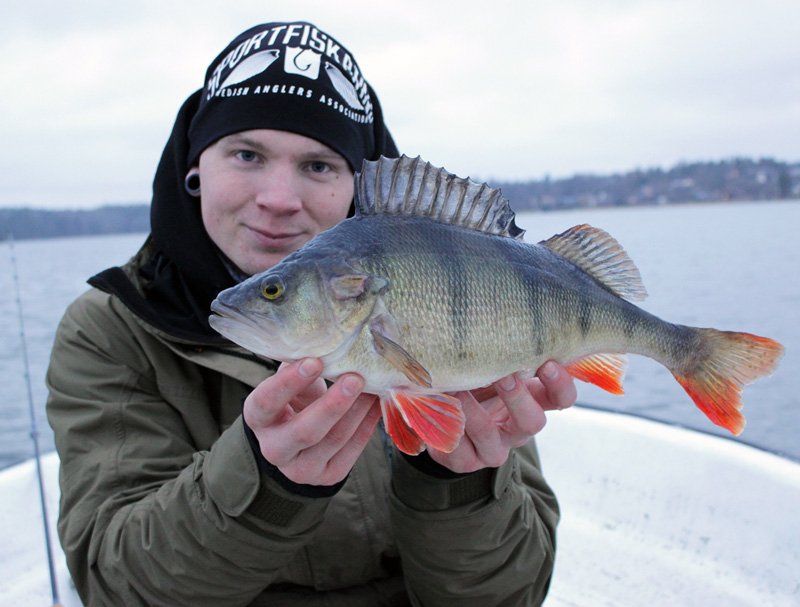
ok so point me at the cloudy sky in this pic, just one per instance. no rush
(499, 89)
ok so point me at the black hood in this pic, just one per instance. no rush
(187, 271)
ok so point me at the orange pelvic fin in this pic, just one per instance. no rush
(414, 420)
(603, 370)
(730, 362)
(398, 429)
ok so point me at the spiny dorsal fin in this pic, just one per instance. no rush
(597, 253)
(410, 186)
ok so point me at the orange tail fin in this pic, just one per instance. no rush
(725, 363)
(414, 420)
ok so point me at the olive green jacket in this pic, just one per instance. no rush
(162, 501)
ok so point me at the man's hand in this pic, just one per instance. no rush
(506, 415)
(312, 434)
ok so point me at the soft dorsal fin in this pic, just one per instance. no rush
(410, 186)
(597, 253)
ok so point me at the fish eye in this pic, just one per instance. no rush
(272, 287)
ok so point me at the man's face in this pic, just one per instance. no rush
(266, 193)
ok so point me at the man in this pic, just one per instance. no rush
(195, 473)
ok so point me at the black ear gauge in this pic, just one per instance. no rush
(192, 184)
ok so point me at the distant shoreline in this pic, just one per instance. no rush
(738, 179)
(29, 223)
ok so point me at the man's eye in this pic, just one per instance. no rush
(247, 155)
(318, 167)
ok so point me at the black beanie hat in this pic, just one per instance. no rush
(289, 77)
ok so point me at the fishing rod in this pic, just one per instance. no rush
(34, 428)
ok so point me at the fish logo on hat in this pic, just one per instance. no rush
(252, 66)
(302, 61)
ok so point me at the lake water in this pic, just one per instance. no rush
(729, 266)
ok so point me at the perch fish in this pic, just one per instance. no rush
(429, 289)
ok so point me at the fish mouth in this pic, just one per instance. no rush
(255, 335)
(223, 312)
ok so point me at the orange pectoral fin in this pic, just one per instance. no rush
(400, 359)
(603, 370)
(436, 419)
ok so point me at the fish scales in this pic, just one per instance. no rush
(437, 310)
(429, 289)
(468, 310)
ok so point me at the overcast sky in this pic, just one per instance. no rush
(495, 90)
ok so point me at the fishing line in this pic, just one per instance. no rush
(34, 428)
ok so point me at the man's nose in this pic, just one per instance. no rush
(279, 190)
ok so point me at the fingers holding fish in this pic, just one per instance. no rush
(491, 429)
(315, 442)
(553, 388)
(505, 417)
(482, 443)
(329, 460)
(520, 405)
(308, 368)
(289, 390)
(525, 414)
(317, 421)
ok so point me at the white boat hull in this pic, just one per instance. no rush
(652, 515)
(657, 515)
(25, 580)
